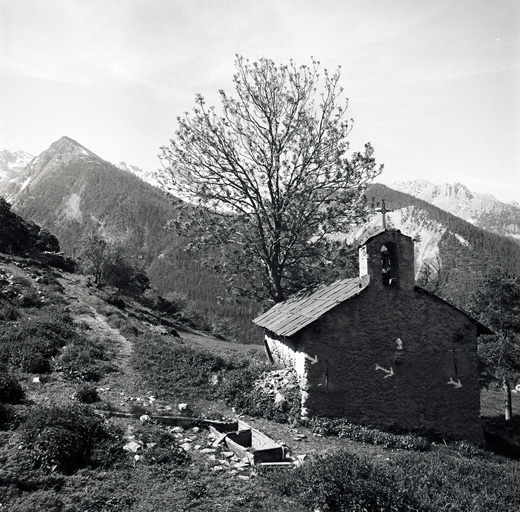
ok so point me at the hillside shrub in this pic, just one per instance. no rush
(30, 344)
(238, 387)
(173, 370)
(344, 482)
(69, 437)
(87, 394)
(7, 312)
(341, 427)
(28, 355)
(9, 417)
(160, 446)
(48, 500)
(11, 391)
(85, 359)
(446, 479)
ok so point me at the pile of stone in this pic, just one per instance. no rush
(277, 383)
(201, 446)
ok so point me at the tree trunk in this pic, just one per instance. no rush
(508, 407)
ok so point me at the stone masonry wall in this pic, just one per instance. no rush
(394, 357)
(286, 354)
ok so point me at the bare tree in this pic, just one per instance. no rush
(270, 179)
(433, 276)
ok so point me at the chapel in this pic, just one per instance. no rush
(379, 350)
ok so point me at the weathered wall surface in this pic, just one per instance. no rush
(394, 357)
(287, 353)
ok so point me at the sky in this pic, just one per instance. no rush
(433, 85)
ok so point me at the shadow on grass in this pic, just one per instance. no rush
(502, 437)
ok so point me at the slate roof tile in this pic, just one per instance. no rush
(303, 308)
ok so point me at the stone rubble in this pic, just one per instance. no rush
(218, 458)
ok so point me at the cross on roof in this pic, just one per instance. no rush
(383, 210)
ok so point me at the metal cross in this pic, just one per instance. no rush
(383, 211)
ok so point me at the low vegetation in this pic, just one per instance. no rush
(444, 479)
(59, 453)
(344, 429)
(173, 370)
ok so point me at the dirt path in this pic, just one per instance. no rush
(116, 388)
(84, 307)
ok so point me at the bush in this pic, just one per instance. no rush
(87, 394)
(171, 370)
(160, 446)
(7, 312)
(11, 391)
(85, 359)
(8, 417)
(345, 482)
(343, 428)
(29, 357)
(42, 500)
(239, 389)
(69, 437)
(30, 344)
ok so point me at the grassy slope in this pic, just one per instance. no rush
(444, 478)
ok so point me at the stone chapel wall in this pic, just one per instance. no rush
(396, 359)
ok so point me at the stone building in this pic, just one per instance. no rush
(379, 350)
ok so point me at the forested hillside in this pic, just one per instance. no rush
(68, 190)
(71, 191)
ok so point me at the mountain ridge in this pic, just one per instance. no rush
(69, 190)
(481, 209)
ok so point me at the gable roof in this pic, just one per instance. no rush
(303, 308)
(306, 306)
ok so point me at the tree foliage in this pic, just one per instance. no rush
(433, 276)
(108, 262)
(497, 304)
(270, 179)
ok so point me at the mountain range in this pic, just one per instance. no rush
(69, 190)
(482, 210)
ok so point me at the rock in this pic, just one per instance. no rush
(144, 418)
(186, 446)
(227, 455)
(132, 446)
